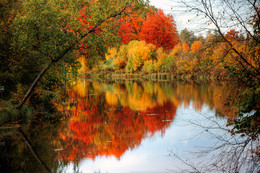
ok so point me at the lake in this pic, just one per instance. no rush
(132, 127)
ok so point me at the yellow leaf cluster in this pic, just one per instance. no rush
(111, 53)
(177, 49)
(140, 52)
(196, 46)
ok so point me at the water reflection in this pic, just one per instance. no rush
(110, 119)
(31, 149)
(107, 119)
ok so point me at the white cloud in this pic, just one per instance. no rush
(172, 7)
(166, 5)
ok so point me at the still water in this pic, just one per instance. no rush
(128, 127)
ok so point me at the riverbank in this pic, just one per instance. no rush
(160, 76)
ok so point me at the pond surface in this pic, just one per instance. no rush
(130, 127)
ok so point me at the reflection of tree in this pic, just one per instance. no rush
(98, 126)
(230, 152)
(217, 96)
(33, 148)
(110, 124)
(108, 119)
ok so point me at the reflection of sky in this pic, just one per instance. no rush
(153, 154)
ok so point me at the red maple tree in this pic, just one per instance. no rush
(160, 30)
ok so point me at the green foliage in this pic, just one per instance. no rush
(9, 113)
(249, 99)
(8, 11)
(108, 65)
(129, 65)
(42, 28)
(148, 66)
(168, 63)
(248, 120)
(187, 36)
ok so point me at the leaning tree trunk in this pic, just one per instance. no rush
(73, 45)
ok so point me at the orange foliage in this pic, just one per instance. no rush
(177, 49)
(196, 46)
(185, 47)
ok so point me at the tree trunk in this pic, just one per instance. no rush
(34, 85)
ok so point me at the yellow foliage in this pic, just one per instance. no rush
(121, 59)
(158, 65)
(111, 53)
(123, 51)
(140, 52)
(177, 49)
(82, 61)
(160, 54)
(119, 62)
(111, 98)
(196, 46)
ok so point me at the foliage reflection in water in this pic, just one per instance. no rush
(109, 119)
(126, 126)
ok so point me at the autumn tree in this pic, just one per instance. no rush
(160, 30)
(138, 53)
(51, 29)
(232, 35)
(111, 53)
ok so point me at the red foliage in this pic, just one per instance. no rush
(94, 132)
(232, 35)
(160, 30)
(131, 29)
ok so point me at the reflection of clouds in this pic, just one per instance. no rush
(185, 142)
(132, 161)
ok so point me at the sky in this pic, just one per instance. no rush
(197, 24)
(172, 7)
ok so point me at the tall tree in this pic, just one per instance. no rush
(160, 30)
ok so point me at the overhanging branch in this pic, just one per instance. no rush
(73, 45)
